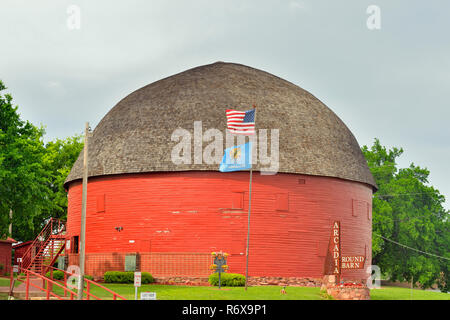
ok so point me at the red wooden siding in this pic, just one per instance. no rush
(20, 250)
(282, 202)
(238, 200)
(101, 203)
(200, 212)
(5, 256)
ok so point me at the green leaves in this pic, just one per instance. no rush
(227, 279)
(126, 277)
(31, 173)
(409, 211)
(59, 158)
(23, 178)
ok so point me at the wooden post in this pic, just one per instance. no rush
(51, 277)
(11, 283)
(10, 223)
(27, 286)
(52, 248)
(83, 213)
(65, 284)
(48, 290)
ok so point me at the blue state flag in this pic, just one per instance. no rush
(237, 158)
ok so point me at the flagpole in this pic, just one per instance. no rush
(248, 226)
(249, 210)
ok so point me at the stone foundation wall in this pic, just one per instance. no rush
(358, 291)
(280, 281)
(252, 281)
(188, 281)
(349, 293)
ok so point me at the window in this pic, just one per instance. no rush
(359, 208)
(237, 200)
(131, 262)
(75, 244)
(282, 202)
(101, 203)
(322, 248)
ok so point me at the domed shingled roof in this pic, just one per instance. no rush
(135, 135)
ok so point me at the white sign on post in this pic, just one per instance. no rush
(137, 283)
(148, 295)
(15, 268)
(137, 279)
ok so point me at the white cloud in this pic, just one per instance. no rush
(297, 5)
(375, 82)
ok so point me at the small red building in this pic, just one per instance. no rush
(5, 255)
(171, 216)
(20, 249)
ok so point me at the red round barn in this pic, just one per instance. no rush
(155, 195)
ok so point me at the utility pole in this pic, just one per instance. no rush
(83, 213)
(10, 224)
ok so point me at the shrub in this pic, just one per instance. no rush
(227, 279)
(126, 277)
(57, 275)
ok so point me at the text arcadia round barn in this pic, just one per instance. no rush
(167, 215)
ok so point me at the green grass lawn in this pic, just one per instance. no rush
(396, 293)
(3, 296)
(4, 282)
(171, 292)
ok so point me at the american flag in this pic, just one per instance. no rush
(241, 122)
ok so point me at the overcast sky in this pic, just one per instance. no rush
(392, 83)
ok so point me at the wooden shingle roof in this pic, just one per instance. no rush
(135, 135)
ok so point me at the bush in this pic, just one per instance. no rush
(89, 277)
(57, 275)
(126, 277)
(227, 279)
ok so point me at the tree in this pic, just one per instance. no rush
(32, 174)
(24, 179)
(410, 226)
(59, 159)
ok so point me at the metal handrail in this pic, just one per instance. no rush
(47, 289)
(89, 282)
(46, 233)
(28, 252)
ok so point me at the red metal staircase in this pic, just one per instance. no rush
(46, 248)
(37, 286)
(40, 258)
